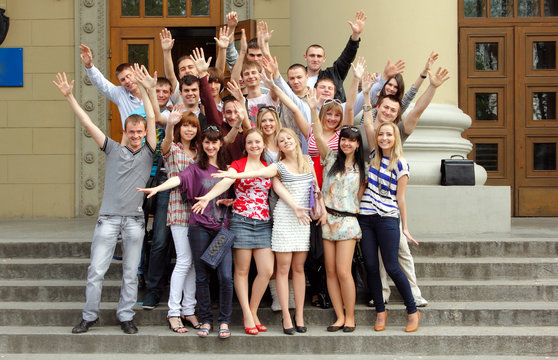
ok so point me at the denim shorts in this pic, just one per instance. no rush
(250, 233)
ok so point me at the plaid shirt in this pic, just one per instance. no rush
(177, 160)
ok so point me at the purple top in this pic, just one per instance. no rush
(196, 182)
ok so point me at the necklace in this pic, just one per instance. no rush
(384, 188)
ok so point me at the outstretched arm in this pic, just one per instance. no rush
(217, 190)
(266, 172)
(424, 73)
(66, 90)
(358, 71)
(167, 185)
(108, 89)
(167, 43)
(424, 100)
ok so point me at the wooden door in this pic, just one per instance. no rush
(537, 125)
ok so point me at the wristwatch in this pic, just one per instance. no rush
(366, 108)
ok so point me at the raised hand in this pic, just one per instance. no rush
(149, 191)
(263, 33)
(269, 64)
(141, 76)
(224, 37)
(86, 56)
(241, 110)
(393, 69)
(439, 77)
(62, 84)
(198, 58)
(176, 114)
(358, 70)
(235, 91)
(313, 101)
(243, 42)
(358, 25)
(167, 41)
(429, 62)
(368, 80)
(232, 19)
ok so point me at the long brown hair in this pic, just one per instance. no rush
(203, 159)
(188, 117)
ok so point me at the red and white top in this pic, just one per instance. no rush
(314, 153)
(251, 194)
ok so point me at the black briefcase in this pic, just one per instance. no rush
(457, 171)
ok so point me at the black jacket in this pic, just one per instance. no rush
(338, 72)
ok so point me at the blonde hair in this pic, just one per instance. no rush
(396, 151)
(259, 117)
(332, 106)
(303, 165)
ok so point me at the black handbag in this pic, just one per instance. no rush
(150, 205)
(358, 269)
(457, 171)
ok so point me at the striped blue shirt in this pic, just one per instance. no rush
(380, 194)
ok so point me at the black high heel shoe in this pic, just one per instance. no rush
(300, 329)
(289, 331)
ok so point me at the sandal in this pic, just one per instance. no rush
(226, 333)
(261, 328)
(203, 331)
(186, 320)
(176, 325)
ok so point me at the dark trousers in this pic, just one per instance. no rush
(200, 238)
(383, 233)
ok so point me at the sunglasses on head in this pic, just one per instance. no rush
(268, 107)
(212, 128)
(352, 128)
(329, 101)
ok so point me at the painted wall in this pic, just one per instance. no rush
(36, 124)
(396, 29)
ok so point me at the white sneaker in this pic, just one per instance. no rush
(371, 303)
(275, 306)
(420, 302)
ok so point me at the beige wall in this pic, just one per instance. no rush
(396, 29)
(36, 124)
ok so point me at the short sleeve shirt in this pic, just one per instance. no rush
(251, 194)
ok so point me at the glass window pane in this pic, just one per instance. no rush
(153, 7)
(486, 155)
(544, 106)
(544, 156)
(501, 8)
(486, 56)
(200, 7)
(486, 106)
(544, 55)
(475, 8)
(550, 8)
(138, 53)
(526, 8)
(130, 7)
(177, 7)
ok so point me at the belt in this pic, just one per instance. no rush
(339, 213)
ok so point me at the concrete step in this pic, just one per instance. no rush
(431, 340)
(432, 290)
(113, 356)
(436, 314)
(431, 247)
(486, 268)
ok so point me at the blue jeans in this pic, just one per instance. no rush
(200, 238)
(383, 232)
(102, 250)
(160, 254)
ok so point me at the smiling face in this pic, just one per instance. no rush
(391, 87)
(332, 119)
(385, 137)
(163, 94)
(125, 78)
(211, 147)
(254, 144)
(268, 123)
(188, 131)
(215, 87)
(286, 142)
(348, 146)
(187, 67)
(135, 132)
(325, 89)
(251, 77)
(297, 80)
(315, 57)
(190, 94)
(230, 113)
(387, 110)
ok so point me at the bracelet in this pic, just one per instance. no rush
(366, 108)
(423, 76)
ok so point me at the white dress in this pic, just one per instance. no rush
(288, 235)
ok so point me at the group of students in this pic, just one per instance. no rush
(256, 162)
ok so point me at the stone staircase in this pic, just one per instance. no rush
(492, 295)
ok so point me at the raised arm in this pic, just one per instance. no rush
(266, 172)
(140, 75)
(264, 35)
(237, 68)
(222, 44)
(232, 54)
(358, 71)
(174, 118)
(167, 185)
(167, 43)
(66, 89)
(213, 115)
(217, 190)
(424, 73)
(150, 84)
(98, 80)
(367, 110)
(321, 144)
(424, 100)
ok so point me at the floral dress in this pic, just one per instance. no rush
(340, 193)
